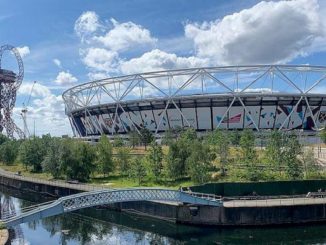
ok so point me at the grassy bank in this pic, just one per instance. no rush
(112, 181)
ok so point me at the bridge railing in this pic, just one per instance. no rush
(7, 214)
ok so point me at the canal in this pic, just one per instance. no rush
(98, 226)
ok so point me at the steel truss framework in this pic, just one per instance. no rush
(8, 92)
(96, 198)
(234, 83)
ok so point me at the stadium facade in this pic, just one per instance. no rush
(259, 97)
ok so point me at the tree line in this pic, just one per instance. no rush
(218, 155)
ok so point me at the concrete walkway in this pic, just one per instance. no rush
(4, 236)
(59, 183)
(274, 202)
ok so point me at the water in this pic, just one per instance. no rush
(93, 226)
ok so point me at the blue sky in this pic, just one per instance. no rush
(65, 43)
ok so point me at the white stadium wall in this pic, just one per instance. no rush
(203, 118)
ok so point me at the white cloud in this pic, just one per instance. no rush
(97, 75)
(39, 90)
(23, 51)
(100, 59)
(159, 60)
(47, 111)
(126, 35)
(65, 78)
(87, 23)
(57, 62)
(269, 32)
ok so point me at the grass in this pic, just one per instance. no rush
(116, 181)
(25, 172)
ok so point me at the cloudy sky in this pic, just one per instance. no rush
(65, 43)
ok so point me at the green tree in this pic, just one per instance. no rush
(234, 137)
(323, 135)
(146, 137)
(249, 155)
(32, 152)
(138, 169)
(292, 151)
(9, 151)
(199, 162)
(3, 139)
(134, 138)
(122, 159)
(311, 167)
(247, 146)
(168, 137)
(155, 159)
(52, 162)
(274, 150)
(221, 142)
(188, 135)
(117, 141)
(104, 155)
(77, 159)
(176, 159)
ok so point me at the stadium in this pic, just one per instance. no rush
(260, 97)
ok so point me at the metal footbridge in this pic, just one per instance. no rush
(97, 198)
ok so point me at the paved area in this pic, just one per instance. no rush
(59, 183)
(274, 202)
(4, 236)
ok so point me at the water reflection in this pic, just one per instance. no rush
(94, 226)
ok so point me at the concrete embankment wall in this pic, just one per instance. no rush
(230, 216)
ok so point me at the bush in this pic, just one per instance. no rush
(9, 152)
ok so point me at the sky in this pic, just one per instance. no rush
(66, 43)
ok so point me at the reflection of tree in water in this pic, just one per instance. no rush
(8, 210)
(78, 227)
(87, 230)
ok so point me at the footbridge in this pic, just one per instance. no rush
(96, 198)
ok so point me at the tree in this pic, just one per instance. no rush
(249, 155)
(52, 162)
(199, 162)
(221, 144)
(155, 158)
(274, 150)
(323, 135)
(104, 155)
(311, 167)
(168, 137)
(9, 151)
(146, 137)
(176, 159)
(77, 159)
(292, 163)
(234, 137)
(3, 139)
(32, 153)
(188, 135)
(138, 169)
(134, 138)
(122, 159)
(117, 141)
(247, 145)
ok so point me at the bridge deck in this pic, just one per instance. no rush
(97, 198)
